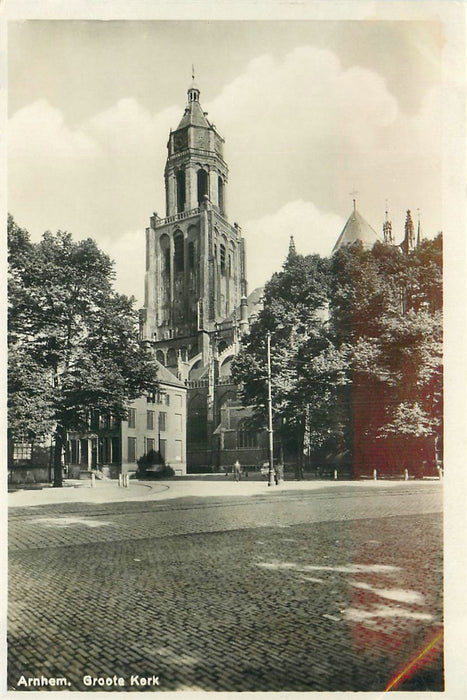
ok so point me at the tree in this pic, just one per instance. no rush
(386, 314)
(72, 339)
(305, 365)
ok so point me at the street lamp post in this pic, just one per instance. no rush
(270, 432)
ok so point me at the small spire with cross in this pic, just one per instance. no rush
(353, 194)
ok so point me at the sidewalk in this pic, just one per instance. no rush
(109, 491)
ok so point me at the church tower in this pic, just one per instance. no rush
(195, 259)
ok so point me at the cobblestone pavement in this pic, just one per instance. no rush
(330, 590)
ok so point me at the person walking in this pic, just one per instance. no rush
(237, 470)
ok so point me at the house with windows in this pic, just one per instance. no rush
(157, 423)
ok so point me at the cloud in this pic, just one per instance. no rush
(267, 238)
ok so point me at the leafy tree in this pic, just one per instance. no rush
(385, 309)
(304, 363)
(366, 371)
(72, 339)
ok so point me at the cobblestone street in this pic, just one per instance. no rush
(331, 589)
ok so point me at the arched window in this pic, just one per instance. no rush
(222, 258)
(172, 358)
(247, 436)
(179, 261)
(230, 266)
(180, 178)
(202, 184)
(184, 353)
(220, 188)
(160, 357)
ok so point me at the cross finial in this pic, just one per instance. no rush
(386, 201)
(193, 71)
(353, 194)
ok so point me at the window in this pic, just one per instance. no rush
(22, 450)
(150, 420)
(74, 452)
(104, 421)
(246, 436)
(180, 179)
(149, 445)
(167, 260)
(160, 357)
(220, 185)
(132, 418)
(178, 422)
(222, 256)
(202, 185)
(179, 261)
(132, 449)
(167, 399)
(178, 450)
(162, 421)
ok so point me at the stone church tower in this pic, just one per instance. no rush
(195, 259)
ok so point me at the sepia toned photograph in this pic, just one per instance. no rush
(228, 427)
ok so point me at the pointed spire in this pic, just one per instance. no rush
(353, 194)
(409, 237)
(387, 228)
(193, 91)
(419, 229)
(292, 249)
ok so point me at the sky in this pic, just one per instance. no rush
(311, 111)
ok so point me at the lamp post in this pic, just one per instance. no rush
(270, 432)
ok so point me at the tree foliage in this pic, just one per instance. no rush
(72, 339)
(357, 347)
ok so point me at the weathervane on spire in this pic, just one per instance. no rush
(353, 194)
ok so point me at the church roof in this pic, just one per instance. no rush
(357, 229)
(165, 376)
(193, 116)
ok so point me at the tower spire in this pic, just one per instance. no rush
(387, 228)
(292, 249)
(409, 237)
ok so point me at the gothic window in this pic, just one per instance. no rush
(160, 357)
(222, 258)
(191, 255)
(167, 260)
(171, 358)
(180, 179)
(202, 185)
(247, 437)
(230, 266)
(179, 262)
(220, 186)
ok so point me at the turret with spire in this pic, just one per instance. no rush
(387, 229)
(408, 243)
